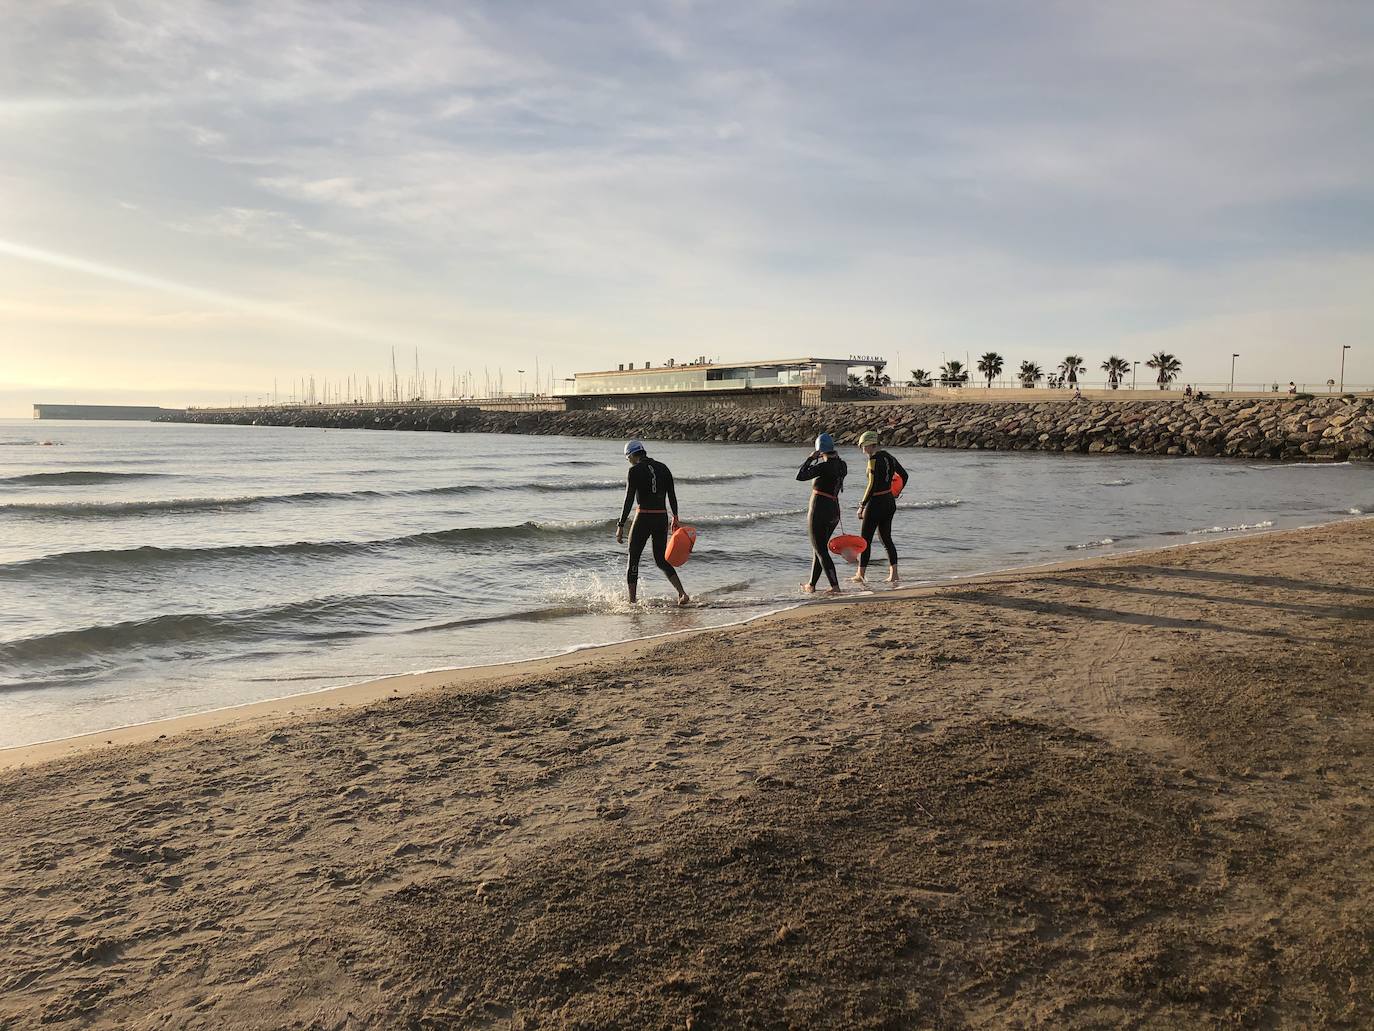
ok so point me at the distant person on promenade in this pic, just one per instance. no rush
(651, 484)
(826, 471)
(1292, 389)
(878, 506)
(1188, 390)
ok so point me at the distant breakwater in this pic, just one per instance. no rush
(1320, 429)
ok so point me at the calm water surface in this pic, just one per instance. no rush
(149, 571)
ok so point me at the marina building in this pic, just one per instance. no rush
(784, 382)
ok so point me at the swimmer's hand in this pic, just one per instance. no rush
(620, 534)
(676, 522)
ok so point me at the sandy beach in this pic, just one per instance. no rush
(1133, 791)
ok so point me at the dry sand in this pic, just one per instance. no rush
(1132, 792)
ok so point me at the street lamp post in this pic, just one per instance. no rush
(1233, 372)
(1344, 348)
(1135, 367)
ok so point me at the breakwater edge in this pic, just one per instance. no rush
(1319, 429)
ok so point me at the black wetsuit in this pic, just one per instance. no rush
(651, 484)
(880, 506)
(824, 514)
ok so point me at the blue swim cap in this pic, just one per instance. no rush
(634, 447)
(825, 442)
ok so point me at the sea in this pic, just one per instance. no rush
(149, 571)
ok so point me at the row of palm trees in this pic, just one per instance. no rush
(953, 374)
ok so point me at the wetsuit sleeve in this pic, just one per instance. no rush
(897, 468)
(629, 495)
(872, 478)
(810, 469)
(672, 491)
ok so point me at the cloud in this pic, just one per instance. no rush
(707, 175)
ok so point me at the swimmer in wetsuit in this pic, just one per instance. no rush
(651, 483)
(878, 505)
(826, 471)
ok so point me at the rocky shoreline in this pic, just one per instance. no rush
(1319, 429)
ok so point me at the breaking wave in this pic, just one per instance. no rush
(74, 478)
(1103, 543)
(933, 503)
(73, 562)
(162, 506)
(1235, 529)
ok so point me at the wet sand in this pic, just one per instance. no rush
(1133, 791)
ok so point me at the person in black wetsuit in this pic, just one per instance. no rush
(878, 505)
(651, 483)
(826, 470)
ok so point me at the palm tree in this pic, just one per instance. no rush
(919, 378)
(1116, 369)
(1029, 374)
(1168, 368)
(854, 380)
(952, 374)
(870, 380)
(1071, 367)
(990, 365)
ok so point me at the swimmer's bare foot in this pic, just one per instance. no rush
(857, 578)
(682, 599)
(893, 578)
(837, 589)
(808, 588)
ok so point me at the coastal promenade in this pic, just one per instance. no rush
(1325, 428)
(1134, 791)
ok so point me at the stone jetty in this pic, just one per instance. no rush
(1316, 429)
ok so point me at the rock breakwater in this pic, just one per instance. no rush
(1321, 429)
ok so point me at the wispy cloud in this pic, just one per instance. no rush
(569, 179)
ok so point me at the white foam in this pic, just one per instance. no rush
(1297, 465)
(934, 503)
(1104, 542)
(1239, 527)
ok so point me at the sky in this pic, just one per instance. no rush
(201, 200)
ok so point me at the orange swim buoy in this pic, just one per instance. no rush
(680, 545)
(849, 546)
(897, 484)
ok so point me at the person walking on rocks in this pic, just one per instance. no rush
(826, 471)
(651, 483)
(878, 505)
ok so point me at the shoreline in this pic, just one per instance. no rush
(1121, 789)
(364, 692)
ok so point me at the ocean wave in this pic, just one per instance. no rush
(125, 509)
(1115, 483)
(315, 619)
(745, 518)
(71, 562)
(74, 477)
(933, 503)
(1234, 529)
(1296, 465)
(1354, 511)
(119, 509)
(1103, 543)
